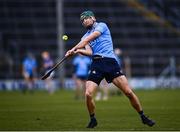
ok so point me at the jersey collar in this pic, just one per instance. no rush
(93, 27)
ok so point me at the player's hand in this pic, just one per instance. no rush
(77, 51)
(70, 52)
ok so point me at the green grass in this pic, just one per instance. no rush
(40, 111)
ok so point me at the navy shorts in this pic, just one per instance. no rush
(81, 77)
(103, 67)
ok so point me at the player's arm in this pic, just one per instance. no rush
(87, 40)
(83, 42)
(85, 51)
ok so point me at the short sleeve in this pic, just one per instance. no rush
(101, 27)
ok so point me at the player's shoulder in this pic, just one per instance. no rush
(102, 24)
(26, 60)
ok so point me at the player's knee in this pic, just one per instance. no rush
(129, 93)
(88, 94)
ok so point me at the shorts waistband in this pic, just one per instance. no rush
(98, 57)
(95, 57)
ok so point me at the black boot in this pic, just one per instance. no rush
(147, 121)
(92, 123)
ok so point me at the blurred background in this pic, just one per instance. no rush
(146, 31)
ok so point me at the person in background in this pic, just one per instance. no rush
(81, 65)
(102, 91)
(29, 72)
(118, 53)
(46, 66)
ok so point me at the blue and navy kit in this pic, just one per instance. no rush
(81, 64)
(104, 61)
(29, 64)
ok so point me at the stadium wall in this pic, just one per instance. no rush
(135, 83)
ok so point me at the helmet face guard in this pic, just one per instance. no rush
(85, 15)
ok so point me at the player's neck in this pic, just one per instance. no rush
(93, 26)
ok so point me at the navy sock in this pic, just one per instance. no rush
(92, 116)
(141, 113)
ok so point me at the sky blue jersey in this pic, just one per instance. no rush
(103, 44)
(29, 64)
(81, 64)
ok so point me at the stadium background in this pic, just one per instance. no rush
(147, 31)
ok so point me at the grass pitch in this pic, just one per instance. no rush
(40, 111)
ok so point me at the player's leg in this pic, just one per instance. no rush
(105, 89)
(32, 84)
(98, 93)
(26, 81)
(26, 76)
(102, 91)
(90, 89)
(83, 88)
(78, 88)
(122, 83)
(94, 79)
(49, 86)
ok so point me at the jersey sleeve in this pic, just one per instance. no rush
(101, 27)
